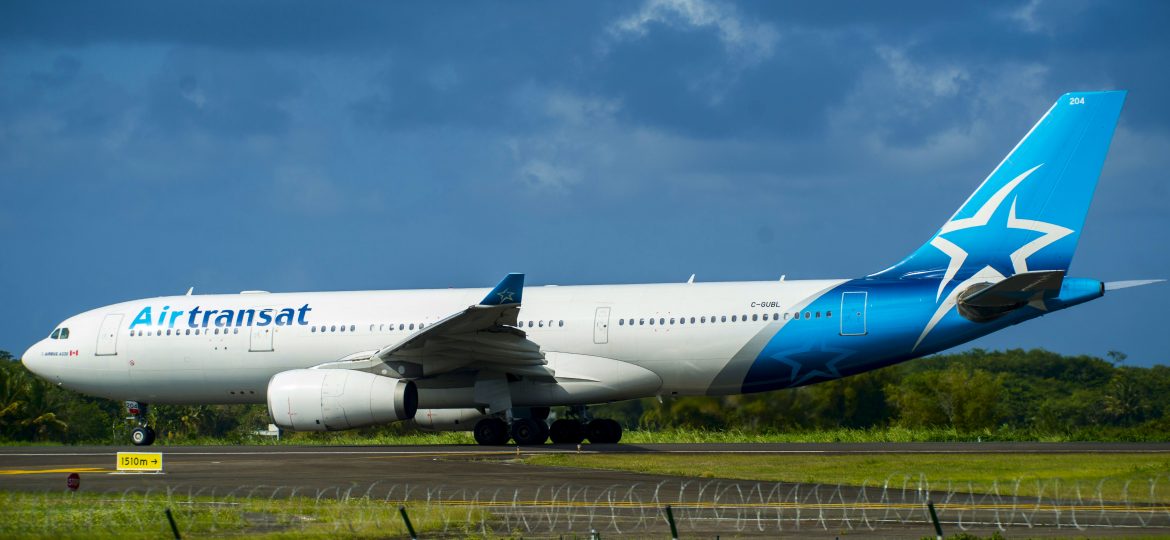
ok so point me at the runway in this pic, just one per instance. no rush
(38, 468)
(492, 478)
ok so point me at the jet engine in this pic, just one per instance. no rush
(336, 399)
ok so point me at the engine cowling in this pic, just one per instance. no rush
(336, 399)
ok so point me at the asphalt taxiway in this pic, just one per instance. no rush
(493, 477)
(473, 467)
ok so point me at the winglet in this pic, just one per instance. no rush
(509, 291)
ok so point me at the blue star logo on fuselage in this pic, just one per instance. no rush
(818, 362)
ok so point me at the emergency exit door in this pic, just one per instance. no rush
(853, 313)
(260, 337)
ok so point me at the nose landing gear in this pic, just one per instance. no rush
(142, 434)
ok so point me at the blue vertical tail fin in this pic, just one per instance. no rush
(1027, 215)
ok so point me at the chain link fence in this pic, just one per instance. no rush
(700, 508)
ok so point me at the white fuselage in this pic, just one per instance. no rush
(604, 343)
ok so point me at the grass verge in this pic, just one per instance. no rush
(1109, 476)
(668, 435)
(82, 515)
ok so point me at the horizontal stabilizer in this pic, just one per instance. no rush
(986, 301)
(1115, 285)
(1018, 289)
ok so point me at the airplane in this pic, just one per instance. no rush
(496, 360)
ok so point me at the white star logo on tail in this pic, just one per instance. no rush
(1019, 258)
(505, 296)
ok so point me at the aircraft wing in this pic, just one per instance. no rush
(483, 336)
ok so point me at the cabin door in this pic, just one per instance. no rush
(107, 341)
(601, 326)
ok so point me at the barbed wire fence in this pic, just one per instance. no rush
(700, 507)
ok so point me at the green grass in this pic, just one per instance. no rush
(669, 435)
(894, 434)
(80, 515)
(877, 434)
(1036, 474)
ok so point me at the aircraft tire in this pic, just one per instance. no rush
(527, 432)
(142, 436)
(566, 431)
(604, 431)
(491, 432)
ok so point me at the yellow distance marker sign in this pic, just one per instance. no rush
(140, 462)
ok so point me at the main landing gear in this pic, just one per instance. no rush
(534, 430)
(142, 434)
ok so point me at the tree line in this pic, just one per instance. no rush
(977, 392)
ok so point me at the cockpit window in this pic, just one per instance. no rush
(56, 333)
(64, 333)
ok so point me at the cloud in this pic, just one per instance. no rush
(745, 43)
(940, 81)
(1025, 15)
(748, 42)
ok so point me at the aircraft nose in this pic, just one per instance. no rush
(32, 359)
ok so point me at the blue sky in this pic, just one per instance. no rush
(146, 147)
